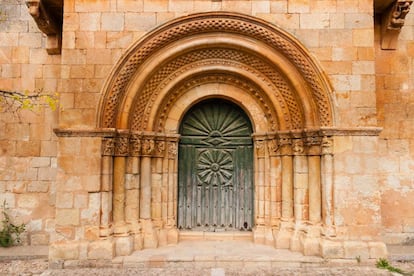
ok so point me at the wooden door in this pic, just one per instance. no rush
(215, 190)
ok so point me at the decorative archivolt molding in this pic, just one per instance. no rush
(292, 113)
(222, 23)
(393, 19)
(195, 81)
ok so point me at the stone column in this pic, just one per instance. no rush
(172, 154)
(121, 151)
(149, 234)
(314, 163)
(156, 180)
(287, 178)
(275, 179)
(327, 183)
(260, 147)
(300, 181)
(283, 236)
(259, 189)
(132, 184)
(108, 147)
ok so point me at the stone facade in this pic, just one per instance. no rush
(328, 90)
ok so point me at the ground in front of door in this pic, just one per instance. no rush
(213, 258)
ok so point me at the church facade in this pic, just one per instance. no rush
(287, 123)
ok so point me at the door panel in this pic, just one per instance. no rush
(215, 169)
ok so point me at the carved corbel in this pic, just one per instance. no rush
(47, 25)
(392, 22)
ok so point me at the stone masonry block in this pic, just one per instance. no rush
(377, 250)
(101, 250)
(67, 217)
(331, 249)
(124, 245)
(64, 251)
(356, 249)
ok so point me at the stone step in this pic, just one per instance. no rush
(215, 236)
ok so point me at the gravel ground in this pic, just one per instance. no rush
(36, 267)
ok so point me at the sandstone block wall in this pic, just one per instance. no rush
(28, 146)
(395, 101)
(372, 87)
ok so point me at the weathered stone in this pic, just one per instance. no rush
(356, 249)
(101, 250)
(64, 251)
(332, 249)
(124, 245)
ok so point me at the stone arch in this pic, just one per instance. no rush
(253, 43)
(248, 61)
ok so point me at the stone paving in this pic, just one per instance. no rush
(213, 258)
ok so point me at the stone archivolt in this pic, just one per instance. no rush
(250, 41)
(260, 68)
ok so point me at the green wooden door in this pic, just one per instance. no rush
(215, 190)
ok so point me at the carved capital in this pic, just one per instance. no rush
(392, 21)
(148, 146)
(260, 145)
(159, 150)
(273, 146)
(108, 146)
(172, 149)
(135, 145)
(121, 146)
(298, 147)
(327, 145)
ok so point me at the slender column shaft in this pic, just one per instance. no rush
(327, 191)
(132, 190)
(275, 189)
(119, 190)
(156, 180)
(287, 187)
(106, 194)
(145, 196)
(314, 188)
(300, 183)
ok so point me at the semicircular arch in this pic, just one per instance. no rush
(281, 53)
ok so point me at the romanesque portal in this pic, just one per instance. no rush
(208, 107)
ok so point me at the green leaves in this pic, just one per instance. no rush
(10, 233)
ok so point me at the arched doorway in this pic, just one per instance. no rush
(215, 168)
(159, 85)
